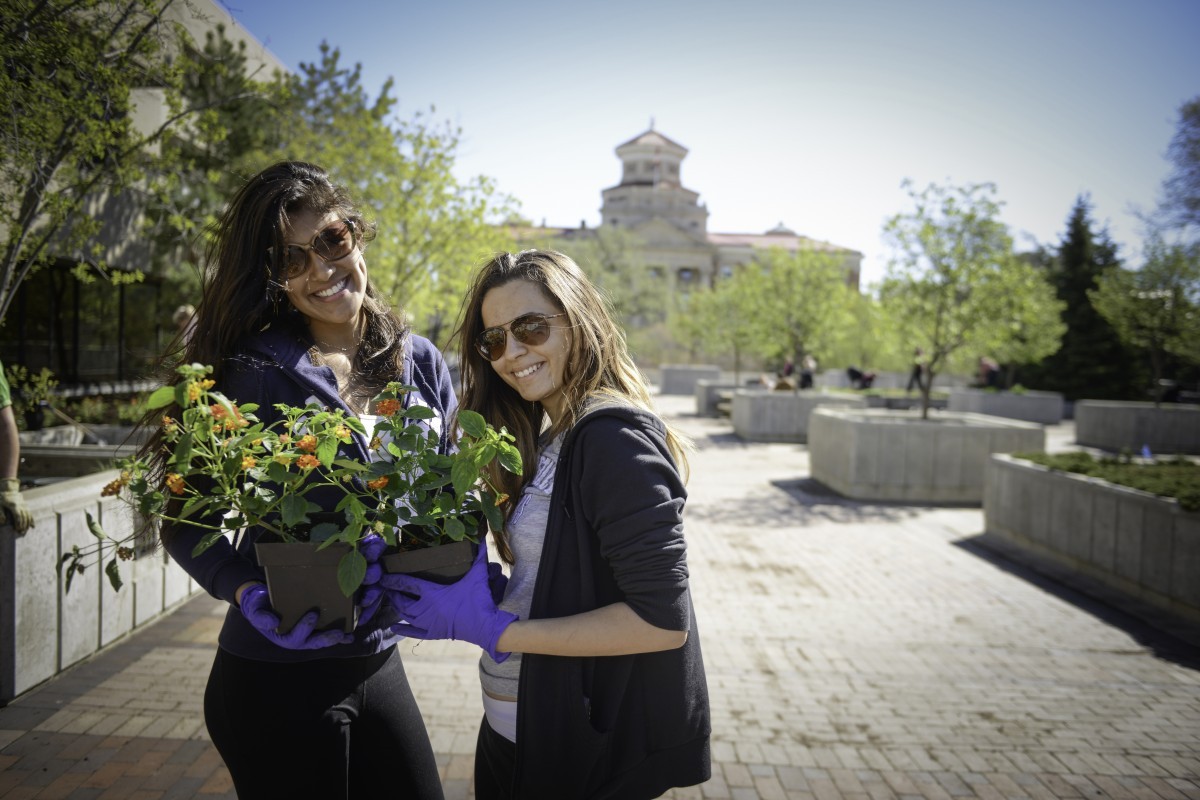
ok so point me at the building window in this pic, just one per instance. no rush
(686, 275)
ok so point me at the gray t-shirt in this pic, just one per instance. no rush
(526, 534)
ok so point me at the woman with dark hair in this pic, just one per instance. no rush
(288, 315)
(592, 676)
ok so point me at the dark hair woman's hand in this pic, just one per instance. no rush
(256, 608)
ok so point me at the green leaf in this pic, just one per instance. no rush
(454, 530)
(161, 397)
(182, 457)
(207, 541)
(472, 422)
(94, 526)
(351, 571)
(510, 458)
(327, 450)
(495, 516)
(323, 532)
(464, 475)
(114, 574)
(292, 509)
(418, 412)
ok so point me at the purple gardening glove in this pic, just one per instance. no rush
(464, 610)
(370, 594)
(256, 608)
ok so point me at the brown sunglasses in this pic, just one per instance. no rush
(532, 329)
(332, 244)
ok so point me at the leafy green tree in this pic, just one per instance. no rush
(1027, 317)
(1092, 362)
(1181, 189)
(226, 142)
(1156, 308)
(729, 323)
(948, 283)
(798, 300)
(612, 259)
(433, 229)
(74, 72)
(869, 339)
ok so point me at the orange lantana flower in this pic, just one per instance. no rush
(307, 462)
(388, 407)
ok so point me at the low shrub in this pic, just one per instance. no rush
(1177, 478)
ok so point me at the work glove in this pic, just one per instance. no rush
(463, 610)
(256, 608)
(370, 594)
(14, 505)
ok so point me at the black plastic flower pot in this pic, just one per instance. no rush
(301, 578)
(441, 563)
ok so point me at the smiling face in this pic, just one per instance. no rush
(534, 371)
(329, 294)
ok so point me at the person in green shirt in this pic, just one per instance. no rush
(11, 502)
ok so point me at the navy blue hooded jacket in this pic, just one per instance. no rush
(274, 367)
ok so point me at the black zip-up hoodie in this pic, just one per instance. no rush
(616, 726)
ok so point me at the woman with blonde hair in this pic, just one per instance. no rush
(593, 681)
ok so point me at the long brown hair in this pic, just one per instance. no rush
(598, 362)
(243, 289)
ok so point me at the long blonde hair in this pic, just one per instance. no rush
(598, 363)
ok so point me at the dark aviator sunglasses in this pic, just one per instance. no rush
(331, 244)
(531, 329)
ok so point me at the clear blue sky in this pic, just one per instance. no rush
(806, 113)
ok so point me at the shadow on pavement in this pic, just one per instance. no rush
(802, 502)
(1169, 638)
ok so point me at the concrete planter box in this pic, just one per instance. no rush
(70, 461)
(1113, 425)
(768, 416)
(43, 629)
(681, 378)
(708, 394)
(1045, 408)
(897, 456)
(912, 401)
(1129, 542)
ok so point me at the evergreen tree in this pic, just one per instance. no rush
(1092, 363)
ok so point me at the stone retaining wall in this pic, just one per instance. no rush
(896, 455)
(681, 378)
(708, 394)
(762, 415)
(1130, 542)
(1114, 425)
(1045, 408)
(44, 629)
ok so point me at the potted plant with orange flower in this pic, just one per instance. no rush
(227, 472)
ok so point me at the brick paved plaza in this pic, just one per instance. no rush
(853, 651)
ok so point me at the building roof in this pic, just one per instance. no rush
(763, 241)
(652, 137)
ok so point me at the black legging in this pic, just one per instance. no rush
(495, 764)
(333, 728)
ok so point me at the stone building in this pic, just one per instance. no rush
(670, 223)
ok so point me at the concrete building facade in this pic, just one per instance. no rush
(670, 223)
